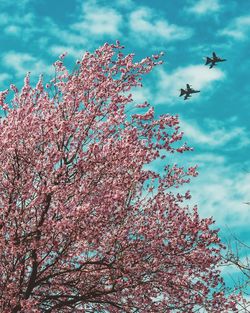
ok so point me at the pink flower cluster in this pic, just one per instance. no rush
(78, 232)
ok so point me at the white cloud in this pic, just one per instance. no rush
(204, 158)
(72, 52)
(140, 95)
(125, 3)
(12, 30)
(97, 20)
(4, 76)
(146, 26)
(238, 29)
(15, 19)
(198, 76)
(217, 135)
(19, 25)
(220, 195)
(26, 27)
(202, 7)
(21, 63)
(60, 36)
(220, 190)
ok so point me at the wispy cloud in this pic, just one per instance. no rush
(56, 50)
(26, 27)
(12, 30)
(128, 4)
(220, 190)
(146, 25)
(95, 22)
(98, 20)
(238, 29)
(217, 134)
(198, 76)
(202, 7)
(209, 157)
(21, 63)
(141, 95)
(21, 26)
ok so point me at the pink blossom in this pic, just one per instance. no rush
(85, 224)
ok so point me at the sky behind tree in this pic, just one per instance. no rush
(215, 122)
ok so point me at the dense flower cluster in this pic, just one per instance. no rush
(84, 226)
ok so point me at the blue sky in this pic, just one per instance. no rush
(215, 122)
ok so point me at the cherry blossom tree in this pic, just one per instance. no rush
(86, 224)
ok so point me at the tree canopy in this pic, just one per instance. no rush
(86, 226)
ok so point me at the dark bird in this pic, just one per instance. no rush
(188, 92)
(213, 60)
